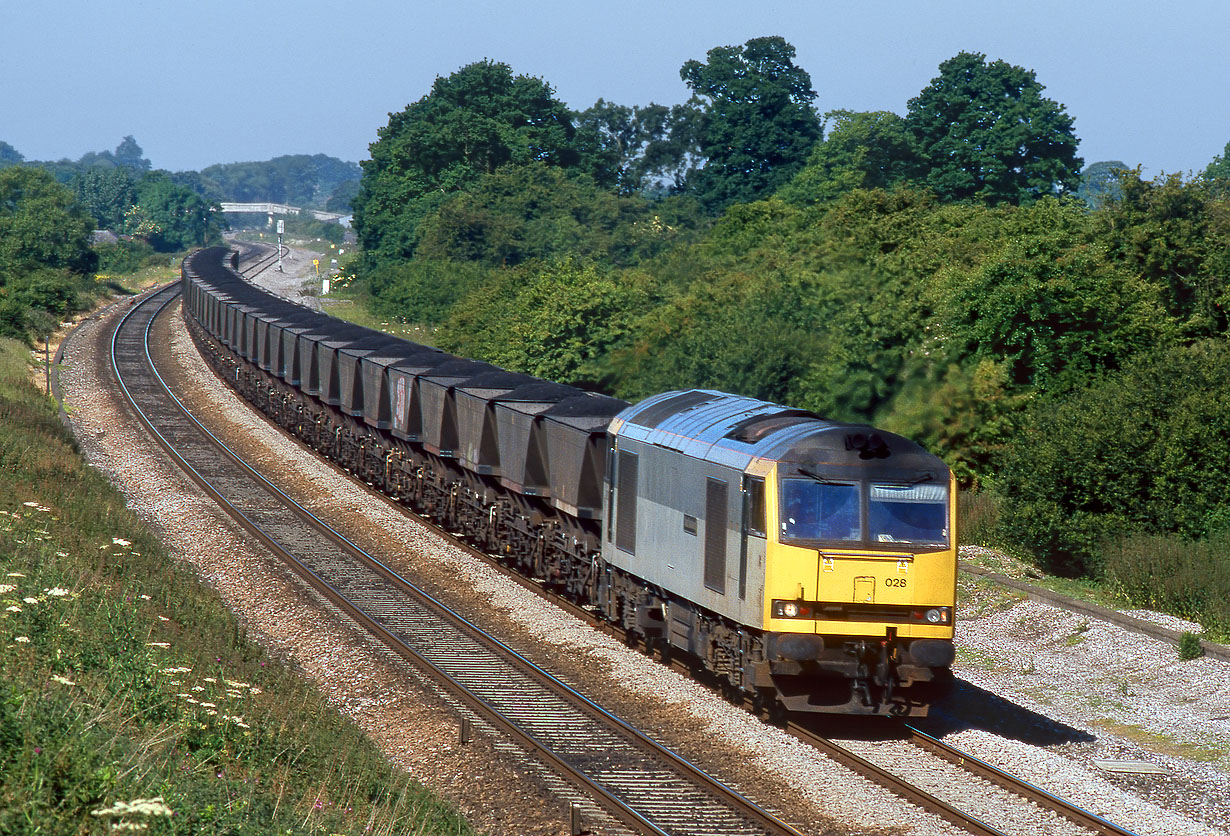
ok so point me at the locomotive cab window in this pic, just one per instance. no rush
(912, 514)
(753, 507)
(812, 510)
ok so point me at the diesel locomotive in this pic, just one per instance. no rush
(805, 564)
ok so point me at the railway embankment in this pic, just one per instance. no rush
(130, 696)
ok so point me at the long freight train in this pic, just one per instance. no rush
(805, 563)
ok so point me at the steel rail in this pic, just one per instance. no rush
(1021, 787)
(895, 784)
(613, 804)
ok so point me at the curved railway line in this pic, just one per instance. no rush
(631, 777)
(637, 781)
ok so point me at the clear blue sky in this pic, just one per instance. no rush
(215, 81)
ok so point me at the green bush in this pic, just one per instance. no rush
(1189, 646)
(124, 256)
(1146, 450)
(421, 291)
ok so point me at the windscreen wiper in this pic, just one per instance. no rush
(817, 477)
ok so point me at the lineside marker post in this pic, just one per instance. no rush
(576, 825)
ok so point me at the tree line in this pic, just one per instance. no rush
(1057, 332)
(49, 211)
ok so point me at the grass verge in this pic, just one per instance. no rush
(130, 698)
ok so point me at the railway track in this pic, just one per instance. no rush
(633, 779)
(936, 776)
(387, 613)
(257, 258)
(900, 778)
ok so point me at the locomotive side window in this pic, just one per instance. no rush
(819, 511)
(914, 514)
(754, 513)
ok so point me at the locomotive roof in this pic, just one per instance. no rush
(735, 430)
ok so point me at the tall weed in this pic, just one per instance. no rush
(1190, 579)
(978, 518)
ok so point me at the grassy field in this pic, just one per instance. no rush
(355, 307)
(130, 698)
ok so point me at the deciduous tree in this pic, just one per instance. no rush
(859, 151)
(985, 131)
(9, 155)
(41, 225)
(638, 149)
(106, 193)
(471, 123)
(759, 122)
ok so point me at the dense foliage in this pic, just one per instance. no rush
(985, 131)
(1145, 449)
(759, 123)
(1058, 335)
(474, 121)
(45, 255)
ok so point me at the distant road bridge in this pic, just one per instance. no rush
(272, 209)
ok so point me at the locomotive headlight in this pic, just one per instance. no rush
(937, 615)
(790, 609)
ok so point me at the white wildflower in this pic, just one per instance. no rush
(13, 608)
(157, 644)
(30, 504)
(136, 807)
(22, 639)
(29, 600)
(57, 592)
(120, 542)
(208, 705)
(143, 597)
(62, 680)
(6, 588)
